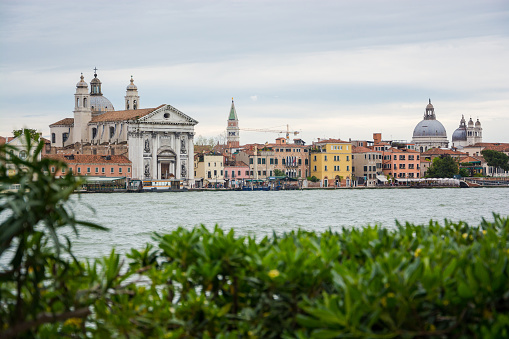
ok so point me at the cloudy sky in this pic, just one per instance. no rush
(341, 69)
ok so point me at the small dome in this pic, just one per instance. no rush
(430, 128)
(82, 82)
(477, 123)
(470, 123)
(132, 86)
(460, 134)
(100, 103)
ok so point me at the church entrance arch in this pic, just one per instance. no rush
(166, 163)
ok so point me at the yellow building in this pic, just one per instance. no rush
(331, 162)
(209, 170)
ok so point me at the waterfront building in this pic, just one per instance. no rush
(367, 166)
(401, 163)
(21, 150)
(158, 141)
(476, 149)
(331, 162)
(467, 135)
(429, 133)
(111, 166)
(209, 170)
(291, 159)
(260, 159)
(236, 174)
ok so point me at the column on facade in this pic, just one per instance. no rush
(190, 156)
(178, 164)
(155, 174)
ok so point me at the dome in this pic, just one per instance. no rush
(100, 103)
(82, 82)
(470, 123)
(430, 128)
(477, 123)
(132, 86)
(460, 134)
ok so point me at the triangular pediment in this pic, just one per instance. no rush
(168, 115)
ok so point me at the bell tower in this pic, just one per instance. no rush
(232, 130)
(132, 99)
(82, 112)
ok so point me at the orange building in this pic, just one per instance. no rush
(94, 165)
(401, 163)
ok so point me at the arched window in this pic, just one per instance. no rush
(135, 105)
(112, 131)
(84, 102)
(53, 138)
(94, 132)
(127, 104)
(77, 102)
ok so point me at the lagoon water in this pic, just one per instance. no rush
(133, 218)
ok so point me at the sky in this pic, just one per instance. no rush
(328, 69)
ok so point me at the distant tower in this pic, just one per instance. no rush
(474, 132)
(232, 131)
(99, 104)
(132, 99)
(82, 112)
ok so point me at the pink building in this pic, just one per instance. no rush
(235, 174)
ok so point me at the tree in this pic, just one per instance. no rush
(496, 159)
(279, 173)
(442, 167)
(28, 131)
(464, 172)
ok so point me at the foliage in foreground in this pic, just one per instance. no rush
(435, 280)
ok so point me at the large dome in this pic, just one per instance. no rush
(430, 128)
(100, 103)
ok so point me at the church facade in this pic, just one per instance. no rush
(158, 141)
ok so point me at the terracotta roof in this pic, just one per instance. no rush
(495, 146)
(239, 164)
(4, 140)
(403, 150)
(440, 151)
(89, 159)
(331, 141)
(64, 122)
(124, 115)
(470, 159)
(362, 149)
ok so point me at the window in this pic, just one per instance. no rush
(97, 170)
(112, 131)
(325, 168)
(84, 102)
(395, 157)
(263, 161)
(324, 158)
(300, 161)
(226, 174)
(314, 168)
(53, 138)
(411, 166)
(347, 168)
(305, 161)
(112, 170)
(259, 161)
(347, 157)
(221, 172)
(402, 166)
(314, 159)
(410, 157)
(94, 132)
(103, 170)
(215, 173)
(250, 161)
(88, 169)
(265, 173)
(79, 169)
(259, 173)
(401, 157)
(283, 161)
(63, 170)
(65, 136)
(52, 169)
(271, 161)
(209, 174)
(276, 161)
(119, 170)
(128, 169)
(365, 168)
(239, 173)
